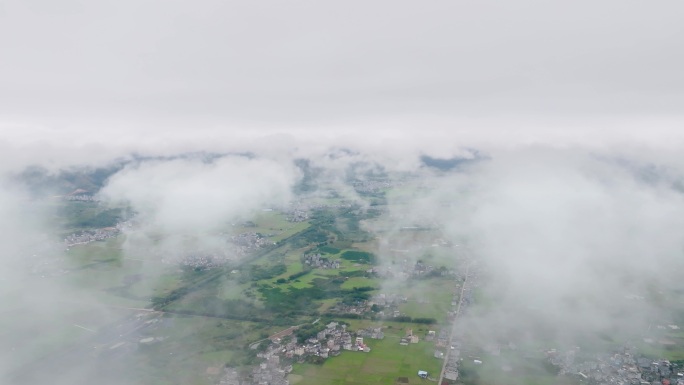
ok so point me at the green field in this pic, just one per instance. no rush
(360, 282)
(191, 345)
(428, 298)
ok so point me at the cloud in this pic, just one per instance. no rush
(194, 196)
(569, 235)
(215, 61)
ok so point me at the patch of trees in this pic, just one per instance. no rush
(328, 250)
(356, 295)
(294, 276)
(308, 331)
(90, 215)
(468, 374)
(407, 319)
(353, 273)
(233, 309)
(197, 281)
(343, 222)
(312, 235)
(259, 272)
(159, 303)
(358, 256)
(316, 360)
(292, 302)
(428, 321)
(107, 218)
(344, 315)
(300, 301)
(40, 181)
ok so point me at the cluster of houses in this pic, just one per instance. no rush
(80, 198)
(410, 338)
(375, 333)
(201, 261)
(442, 339)
(451, 343)
(620, 368)
(297, 215)
(246, 243)
(300, 212)
(328, 342)
(389, 304)
(453, 358)
(317, 262)
(79, 195)
(360, 308)
(387, 300)
(270, 372)
(87, 236)
(421, 268)
(231, 376)
(372, 186)
(454, 352)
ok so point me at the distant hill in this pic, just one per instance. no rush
(89, 180)
(75, 181)
(447, 164)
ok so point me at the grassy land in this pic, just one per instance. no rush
(428, 298)
(191, 345)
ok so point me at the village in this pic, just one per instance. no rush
(373, 186)
(87, 236)
(623, 367)
(94, 235)
(317, 262)
(284, 349)
(248, 242)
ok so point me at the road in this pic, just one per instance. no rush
(453, 327)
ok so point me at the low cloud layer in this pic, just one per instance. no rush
(195, 196)
(564, 238)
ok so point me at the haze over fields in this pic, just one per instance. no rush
(542, 141)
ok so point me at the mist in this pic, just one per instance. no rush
(161, 166)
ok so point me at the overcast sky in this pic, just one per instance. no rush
(204, 64)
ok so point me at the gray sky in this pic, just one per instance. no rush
(83, 63)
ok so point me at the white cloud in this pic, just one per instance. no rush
(194, 196)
